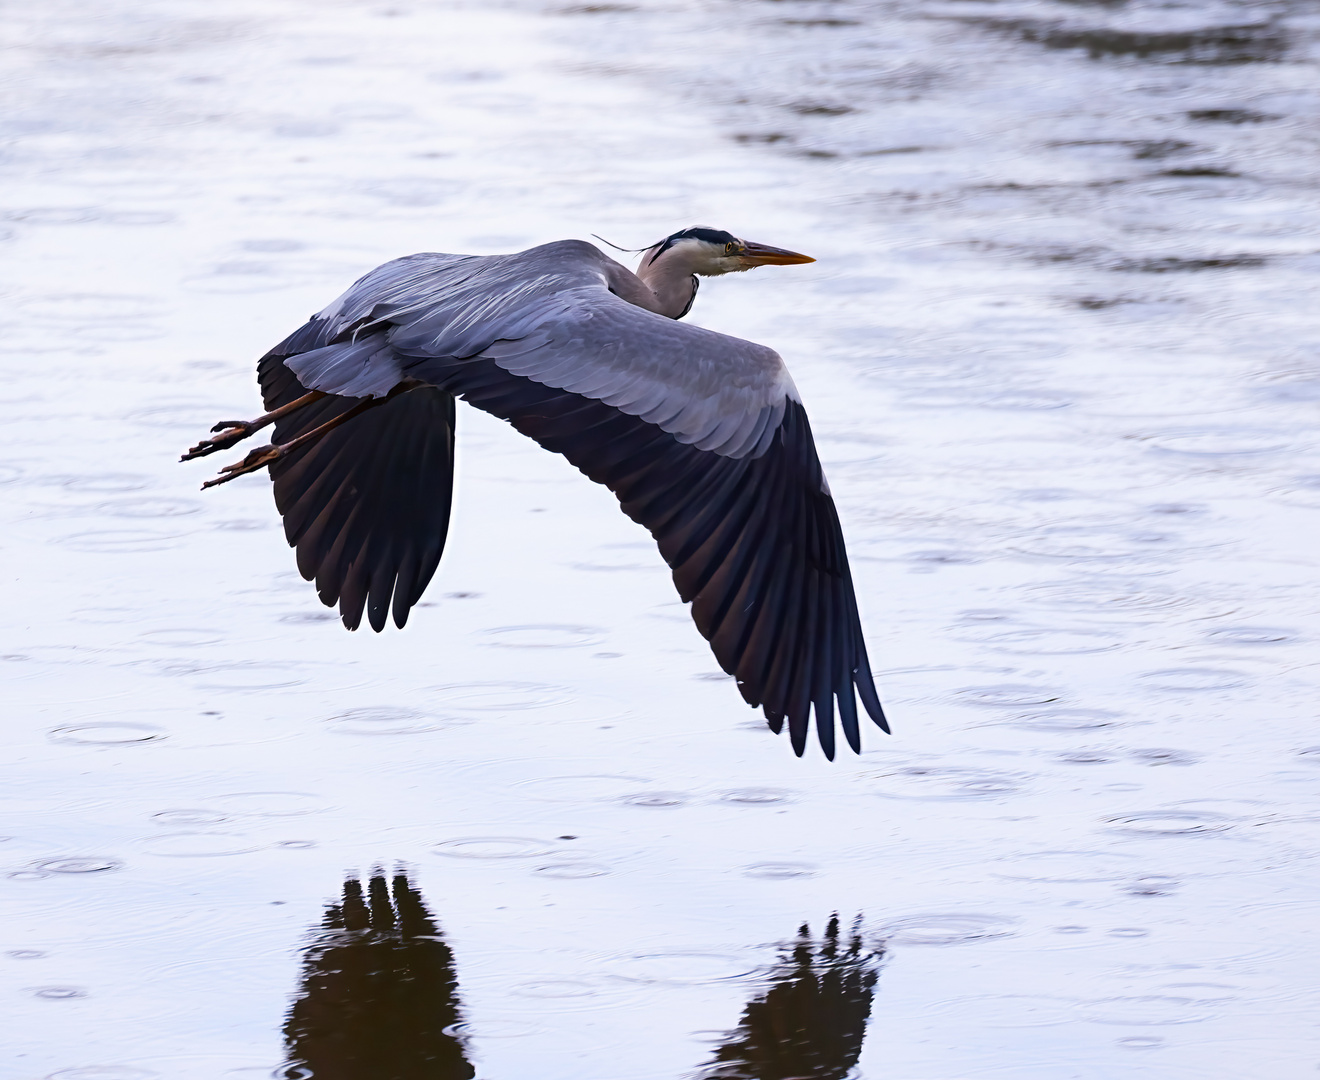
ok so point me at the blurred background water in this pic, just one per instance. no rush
(1060, 354)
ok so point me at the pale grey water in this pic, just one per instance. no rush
(1060, 355)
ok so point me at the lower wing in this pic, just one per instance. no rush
(367, 505)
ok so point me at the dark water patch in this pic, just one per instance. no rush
(1100, 303)
(762, 137)
(1157, 150)
(1230, 116)
(815, 108)
(1202, 171)
(894, 150)
(1246, 43)
(1173, 264)
(596, 9)
(831, 23)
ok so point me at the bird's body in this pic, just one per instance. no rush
(702, 437)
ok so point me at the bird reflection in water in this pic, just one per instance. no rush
(810, 1023)
(379, 1000)
(379, 996)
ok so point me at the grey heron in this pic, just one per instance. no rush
(701, 436)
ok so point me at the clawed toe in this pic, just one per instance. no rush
(256, 459)
(231, 432)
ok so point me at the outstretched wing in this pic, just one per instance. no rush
(367, 505)
(754, 543)
(701, 436)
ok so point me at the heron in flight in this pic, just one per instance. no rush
(702, 437)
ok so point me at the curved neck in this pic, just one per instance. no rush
(673, 285)
(668, 292)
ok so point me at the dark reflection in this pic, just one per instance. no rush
(379, 998)
(812, 1020)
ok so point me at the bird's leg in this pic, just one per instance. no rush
(233, 431)
(268, 455)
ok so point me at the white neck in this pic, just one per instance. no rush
(671, 281)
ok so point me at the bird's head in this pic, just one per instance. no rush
(707, 252)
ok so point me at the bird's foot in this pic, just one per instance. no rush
(231, 432)
(256, 459)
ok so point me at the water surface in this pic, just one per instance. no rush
(1060, 355)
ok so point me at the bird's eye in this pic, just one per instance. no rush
(730, 248)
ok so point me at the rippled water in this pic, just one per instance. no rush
(1060, 353)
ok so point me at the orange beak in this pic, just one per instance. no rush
(765, 255)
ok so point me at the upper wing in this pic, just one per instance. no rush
(367, 505)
